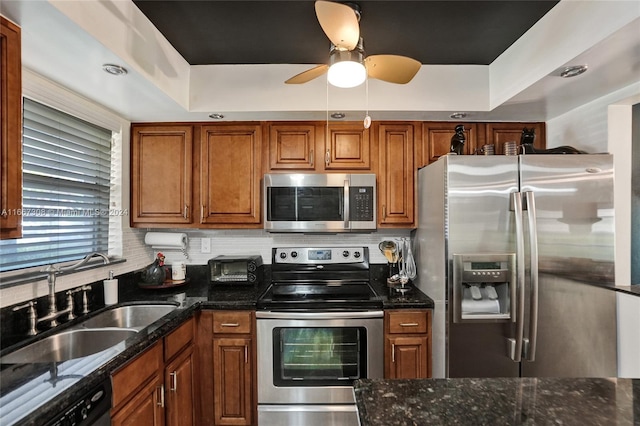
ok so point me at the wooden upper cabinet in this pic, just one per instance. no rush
(230, 174)
(396, 175)
(436, 139)
(316, 147)
(10, 130)
(499, 133)
(347, 147)
(291, 146)
(161, 175)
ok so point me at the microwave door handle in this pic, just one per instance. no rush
(346, 205)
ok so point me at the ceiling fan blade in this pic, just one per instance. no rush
(340, 23)
(392, 68)
(308, 75)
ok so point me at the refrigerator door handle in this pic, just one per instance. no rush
(515, 344)
(530, 349)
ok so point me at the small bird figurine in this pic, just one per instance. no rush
(458, 140)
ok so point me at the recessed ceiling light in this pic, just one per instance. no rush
(114, 69)
(338, 115)
(458, 115)
(216, 116)
(573, 71)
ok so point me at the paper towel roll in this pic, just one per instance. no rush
(166, 240)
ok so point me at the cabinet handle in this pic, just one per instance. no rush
(230, 324)
(409, 324)
(327, 157)
(202, 214)
(311, 157)
(186, 211)
(161, 394)
(174, 381)
(246, 354)
(384, 211)
(393, 352)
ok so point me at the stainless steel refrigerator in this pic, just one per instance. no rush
(514, 250)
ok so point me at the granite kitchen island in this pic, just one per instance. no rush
(498, 401)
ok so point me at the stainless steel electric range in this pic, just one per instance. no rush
(320, 327)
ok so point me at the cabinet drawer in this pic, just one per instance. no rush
(236, 322)
(178, 339)
(135, 374)
(407, 322)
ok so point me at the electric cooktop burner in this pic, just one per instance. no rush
(320, 279)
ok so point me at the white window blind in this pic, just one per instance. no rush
(66, 184)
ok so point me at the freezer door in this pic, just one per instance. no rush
(479, 221)
(571, 208)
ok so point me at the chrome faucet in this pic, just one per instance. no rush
(51, 270)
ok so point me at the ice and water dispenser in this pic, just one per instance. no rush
(484, 287)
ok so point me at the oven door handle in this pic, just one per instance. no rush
(318, 315)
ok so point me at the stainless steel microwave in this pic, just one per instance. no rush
(325, 202)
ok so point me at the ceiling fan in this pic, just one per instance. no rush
(348, 66)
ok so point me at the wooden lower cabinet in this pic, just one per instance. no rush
(232, 373)
(179, 377)
(145, 408)
(228, 391)
(158, 386)
(407, 344)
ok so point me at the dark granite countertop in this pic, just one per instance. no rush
(39, 391)
(498, 401)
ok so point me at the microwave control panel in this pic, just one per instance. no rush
(361, 202)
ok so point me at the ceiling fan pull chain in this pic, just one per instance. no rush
(367, 119)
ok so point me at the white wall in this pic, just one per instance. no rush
(604, 125)
(628, 335)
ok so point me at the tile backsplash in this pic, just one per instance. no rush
(234, 242)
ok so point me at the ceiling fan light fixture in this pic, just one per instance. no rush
(346, 68)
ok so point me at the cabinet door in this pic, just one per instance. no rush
(436, 140)
(161, 175)
(407, 357)
(180, 389)
(499, 133)
(146, 408)
(292, 146)
(230, 175)
(396, 184)
(10, 131)
(232, 372)
(347, 147)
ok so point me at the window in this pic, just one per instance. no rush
(66, 189)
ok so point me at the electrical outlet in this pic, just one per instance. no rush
(205, 245)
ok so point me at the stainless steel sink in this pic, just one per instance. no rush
(132, 316)
(68, 345)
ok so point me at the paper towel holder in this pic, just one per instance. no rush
(168, 241)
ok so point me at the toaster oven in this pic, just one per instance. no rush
(225, 269)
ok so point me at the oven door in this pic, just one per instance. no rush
(314, 357)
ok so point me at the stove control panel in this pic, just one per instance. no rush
(322, 255)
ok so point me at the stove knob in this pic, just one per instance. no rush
(294, 254)
(356, 254)
(283, 255)
(345, 253)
